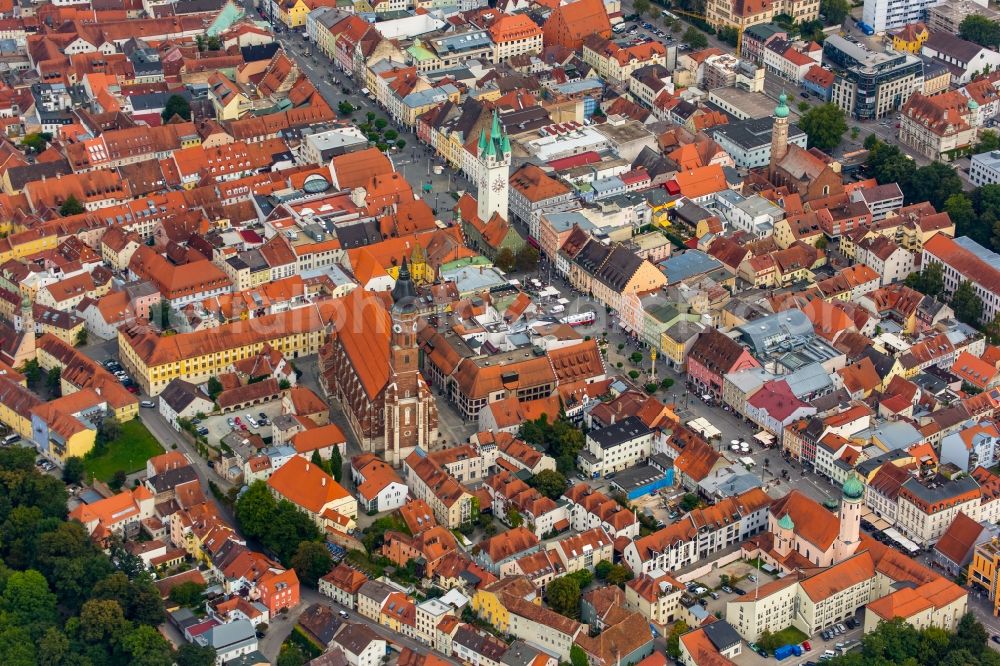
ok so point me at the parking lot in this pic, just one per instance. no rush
(219, 426)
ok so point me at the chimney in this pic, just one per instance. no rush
(307, 467)
(323, 481)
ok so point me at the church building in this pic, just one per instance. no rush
(371, 364)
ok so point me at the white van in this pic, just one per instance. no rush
(10, 439)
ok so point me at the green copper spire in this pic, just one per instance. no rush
(505, 144)
(781, 111)
(853, 489)
(482, 141)
(490, 150)
(786, 523)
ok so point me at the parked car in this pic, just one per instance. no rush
(851, 622)
(739, 590)
(995, 638)
(842, 628)
(342, 613)
(202, 431)
(807, 646)
(230, 422)
(147, 403)
(236, 419)
(752, 578)
(714, 595)
(727, 589)
(263, 416)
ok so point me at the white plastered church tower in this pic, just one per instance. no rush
(494, 172)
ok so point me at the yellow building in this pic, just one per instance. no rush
(155, 360)
(910, 38)
(16, 403)
(293, 13)
(63, 428)
(984, 568)
(27, 243)
(488, 604)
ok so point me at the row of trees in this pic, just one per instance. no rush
(62, 600)
(933, 183)
(898, 643)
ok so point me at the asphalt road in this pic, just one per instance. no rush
(416, 161)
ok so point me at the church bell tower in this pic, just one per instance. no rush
(410, 410)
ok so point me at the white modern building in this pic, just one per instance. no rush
(884, 15)
(985, 168)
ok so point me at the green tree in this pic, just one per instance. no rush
(189, 594)
(400, 144)
(855, 131)
(835, 11)
(564, 596)
(934, 183)
(988, 140)
(345, 108)
(28, 603)
(71, 206)
(635, 357)
(768, 640)
(102, 620)
(825, 126)
(391, 135)
(674, 638)
(256, 509)
(888, 164)
(190, 654)
(311, 561)
(176, 105)
(967, 305)
(73, 470)
(550, 483)
(147, 647)
(109, 429)
(729, 35)
(118, 479)
(291, 655)
(695, 38)
(602, 569)
(981, 30)
(929, 281)
(81, 337)
(505, 259)
(619, 575)
(527, 258)
(53, 648)
(689, 502)
(514, 517)
(641, 7)
(380, 124)
(34, 142)
(961, 211)
(336, 464)
(214, 387)
(577, 657)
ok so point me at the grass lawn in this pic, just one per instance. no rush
(134, 446)
(790, 636)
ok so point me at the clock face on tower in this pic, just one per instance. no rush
(498, 184)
